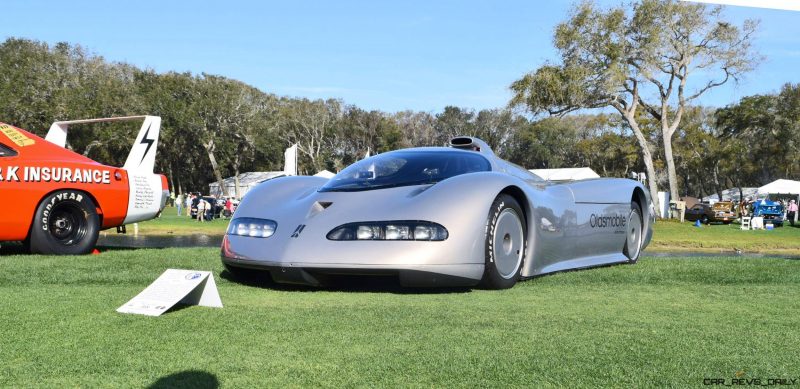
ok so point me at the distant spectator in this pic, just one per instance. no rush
(792, 211)
(202, 205)
(179, 203)
(228, 208)
(189, 204)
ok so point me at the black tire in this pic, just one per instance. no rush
(506, 233)
(704, 220)
(66, 222)
(634, 233)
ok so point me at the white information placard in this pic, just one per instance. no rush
(190, 287)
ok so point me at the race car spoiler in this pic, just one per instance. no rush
(142, 157)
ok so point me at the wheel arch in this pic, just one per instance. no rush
(518, 194)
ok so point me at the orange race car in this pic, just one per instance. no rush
(56, 201)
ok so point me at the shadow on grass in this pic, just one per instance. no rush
(339, 283)
(13, 248)
(17, 248)
(196, 379)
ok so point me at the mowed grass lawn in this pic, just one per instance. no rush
(674, 236)
(171, 223)
(662, 322)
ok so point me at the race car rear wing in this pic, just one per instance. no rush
(142, 157)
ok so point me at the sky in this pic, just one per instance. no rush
(389, 56)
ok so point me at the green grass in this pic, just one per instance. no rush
(674, 236)
(665, 322)
(171, 223)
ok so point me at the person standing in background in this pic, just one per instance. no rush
(228, 208)
(189, 205)
(179, 203)
(201, 209)
(792, 211)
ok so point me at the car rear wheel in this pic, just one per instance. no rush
(506, 233)
(65, 222)
(633, 233)
(704, 220)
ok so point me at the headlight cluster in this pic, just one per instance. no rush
(391, 230)
(248, 226)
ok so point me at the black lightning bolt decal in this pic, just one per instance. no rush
(148, 141)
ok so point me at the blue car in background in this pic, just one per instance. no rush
(771, 211)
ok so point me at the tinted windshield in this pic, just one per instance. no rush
(402, 168)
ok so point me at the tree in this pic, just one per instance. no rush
(620, 60)
(310, 124)
(767, 129)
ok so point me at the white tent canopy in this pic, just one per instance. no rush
(324, 174)
(781, 187)
(565, 174)
(246, 182)
(732, 194)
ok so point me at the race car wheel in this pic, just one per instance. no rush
(633, 233)
(505, 243)
(65, 222)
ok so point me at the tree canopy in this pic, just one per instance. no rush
(639, 59)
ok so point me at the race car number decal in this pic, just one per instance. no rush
(54, 174)
(16, 136)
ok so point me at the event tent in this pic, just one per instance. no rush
(325, 174)
(732, 194)
(250, 179)
(784, 187)
(246, 182)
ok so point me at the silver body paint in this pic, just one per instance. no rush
(570, 225)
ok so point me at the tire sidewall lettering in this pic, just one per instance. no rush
(492, 227)
(58, 198)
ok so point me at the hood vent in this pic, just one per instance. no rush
(318, 207)
(464, 142)
(470, 143)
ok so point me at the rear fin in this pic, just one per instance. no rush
(142, 157)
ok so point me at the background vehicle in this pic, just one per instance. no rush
(705, 213)
(771, 211)
(724, 211)
(211, 213)
(59, 200)
(436, 216)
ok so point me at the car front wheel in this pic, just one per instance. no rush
(506, 231)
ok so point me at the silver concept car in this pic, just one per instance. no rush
(437, 216)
